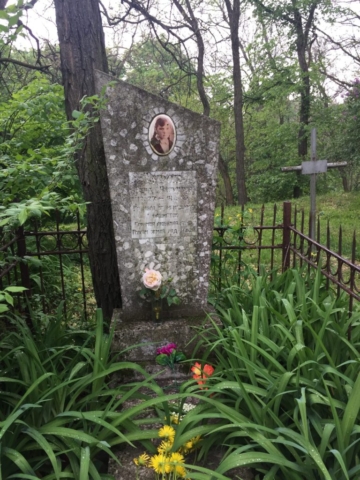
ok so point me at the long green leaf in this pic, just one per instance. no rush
(84, 463)
(351, 412)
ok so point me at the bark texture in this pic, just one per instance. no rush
(224, 172)
(233, 11)
(82, 50)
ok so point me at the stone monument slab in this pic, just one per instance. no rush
(162, 168)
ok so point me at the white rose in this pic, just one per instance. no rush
(152, 279)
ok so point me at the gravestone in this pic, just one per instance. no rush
(162, 169)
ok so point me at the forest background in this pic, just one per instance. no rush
(269, 71)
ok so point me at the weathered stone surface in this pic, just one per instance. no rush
(162, 203)
(145, 337)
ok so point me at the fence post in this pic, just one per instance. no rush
(286, 236)
(24, 269)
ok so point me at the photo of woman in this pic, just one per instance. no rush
(162, 134)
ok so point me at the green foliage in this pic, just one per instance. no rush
(166, 72)
(58, 412)
(286, 389)
(19, 212)
(36, 150)
(343, 139)
(271, 143)
(171, 359)
(6, 297)
(11, 15)
(165, 291)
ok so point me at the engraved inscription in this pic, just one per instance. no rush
(163, 204)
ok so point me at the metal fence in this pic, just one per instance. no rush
(38, 259)
(51, 264)
(284, 244)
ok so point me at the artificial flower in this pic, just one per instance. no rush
(196, 369)
(201, 374)
(152, 279)
(166, 349)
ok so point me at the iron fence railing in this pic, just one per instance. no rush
(280, 244)
(51, 264)
(286, 245)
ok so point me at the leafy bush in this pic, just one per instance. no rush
(285, 395)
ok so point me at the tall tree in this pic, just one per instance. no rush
(82, 50)
(233, 19)
(299, 17)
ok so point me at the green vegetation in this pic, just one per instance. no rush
(58, 412)
(284, 398)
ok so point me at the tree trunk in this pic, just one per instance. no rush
(82, 49)
(234, 19)
(229, 197)
(302, 46)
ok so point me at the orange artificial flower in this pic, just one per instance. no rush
(202, 374)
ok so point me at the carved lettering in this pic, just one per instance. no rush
(163, 204)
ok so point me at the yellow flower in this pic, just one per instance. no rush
(160, 463)
(176, 457)
(250, 210)
(191, 444)
(142, 460)
(167, 432)
(180, 470)
(177, 460)
(188, 445)
(165, 447)
(196, 439)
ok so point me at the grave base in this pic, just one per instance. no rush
(138, 340)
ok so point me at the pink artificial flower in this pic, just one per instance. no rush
(167, 349)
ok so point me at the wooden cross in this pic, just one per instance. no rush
(312, 168)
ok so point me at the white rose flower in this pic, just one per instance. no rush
(152, 279)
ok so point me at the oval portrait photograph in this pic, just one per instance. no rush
(162, 135)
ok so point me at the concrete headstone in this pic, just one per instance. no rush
(162, 168)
